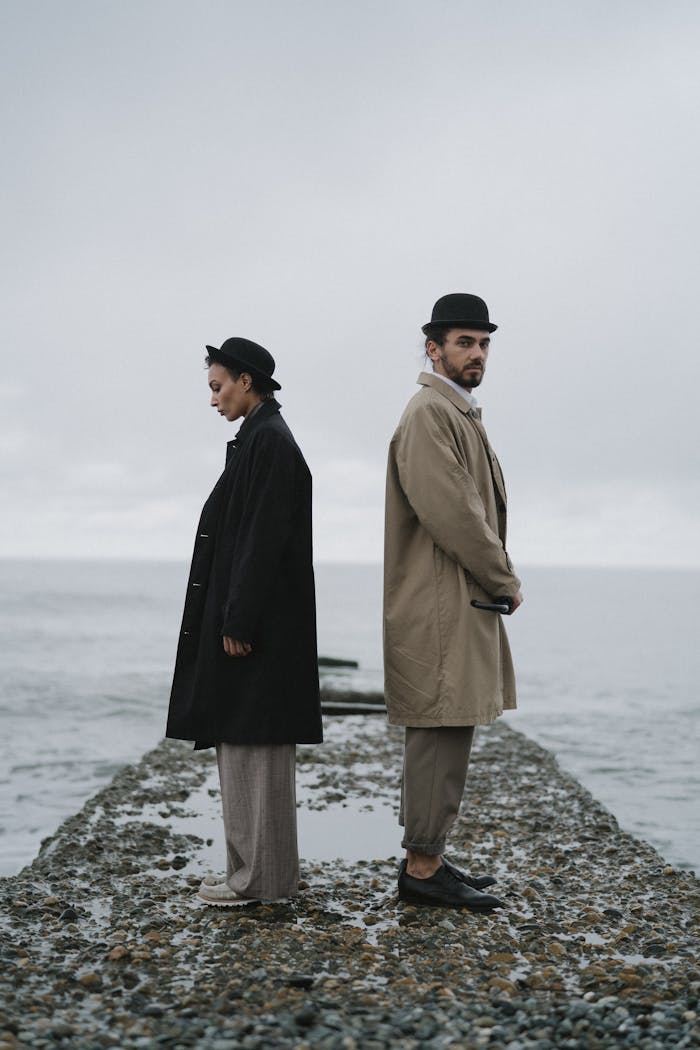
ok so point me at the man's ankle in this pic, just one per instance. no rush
(422, 865)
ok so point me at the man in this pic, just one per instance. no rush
(447, 663)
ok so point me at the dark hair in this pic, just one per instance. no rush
(261, 384)
(438, 335)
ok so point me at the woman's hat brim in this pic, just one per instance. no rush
(244, 366)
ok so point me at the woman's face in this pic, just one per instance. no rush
(229, 396)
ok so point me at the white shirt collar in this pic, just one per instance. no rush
(468, 397)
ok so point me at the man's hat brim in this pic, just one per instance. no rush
(477, 326)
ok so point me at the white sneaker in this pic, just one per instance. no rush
(220, 894)
(213, 880)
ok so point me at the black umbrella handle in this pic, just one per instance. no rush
(502, 605)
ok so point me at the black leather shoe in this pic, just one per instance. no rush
(477, 882)
(444, 889)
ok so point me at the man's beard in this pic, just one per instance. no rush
(457, 375)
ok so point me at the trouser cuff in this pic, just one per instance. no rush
(429, 849)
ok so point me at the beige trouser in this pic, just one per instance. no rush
(434, 773)
(258, 793)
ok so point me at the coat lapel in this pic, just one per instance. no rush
(473, 416)
(249, 425)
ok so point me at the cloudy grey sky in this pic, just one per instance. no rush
(313, 175)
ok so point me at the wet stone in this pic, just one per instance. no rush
(299, 980)
(153, 1010)
(90, 980)
(306, 1016)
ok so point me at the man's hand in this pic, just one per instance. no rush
(513, 602)
(232, 647)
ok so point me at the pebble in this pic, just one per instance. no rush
(153, 1010)
(299, 980)
(305, 1016)
(90, 980)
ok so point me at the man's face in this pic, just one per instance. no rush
(463, 357)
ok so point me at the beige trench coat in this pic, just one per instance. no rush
(445, 663)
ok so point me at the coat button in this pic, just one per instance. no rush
(196, 585)
(204, 535)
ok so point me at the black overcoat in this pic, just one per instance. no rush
(251, 579)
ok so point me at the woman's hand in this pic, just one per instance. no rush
(232, 647)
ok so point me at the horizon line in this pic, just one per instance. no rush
(360, 563)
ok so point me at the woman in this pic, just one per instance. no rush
(246, 674)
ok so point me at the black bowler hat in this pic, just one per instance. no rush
(250, 356)
(460, 310)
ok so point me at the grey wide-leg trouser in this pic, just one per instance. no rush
(258, 793)
(434, 773)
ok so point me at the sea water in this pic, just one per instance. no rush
(607, 664)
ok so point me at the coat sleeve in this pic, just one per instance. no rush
(265, 527)
(445, 499)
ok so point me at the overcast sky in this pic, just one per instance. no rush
(313, 175)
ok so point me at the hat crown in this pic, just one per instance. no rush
(462, 310)
(246, 352)
(460, 304)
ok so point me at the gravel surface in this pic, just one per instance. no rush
(105, 945)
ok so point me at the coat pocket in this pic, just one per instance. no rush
(475, 590)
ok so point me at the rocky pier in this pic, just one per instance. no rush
(104, 943)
